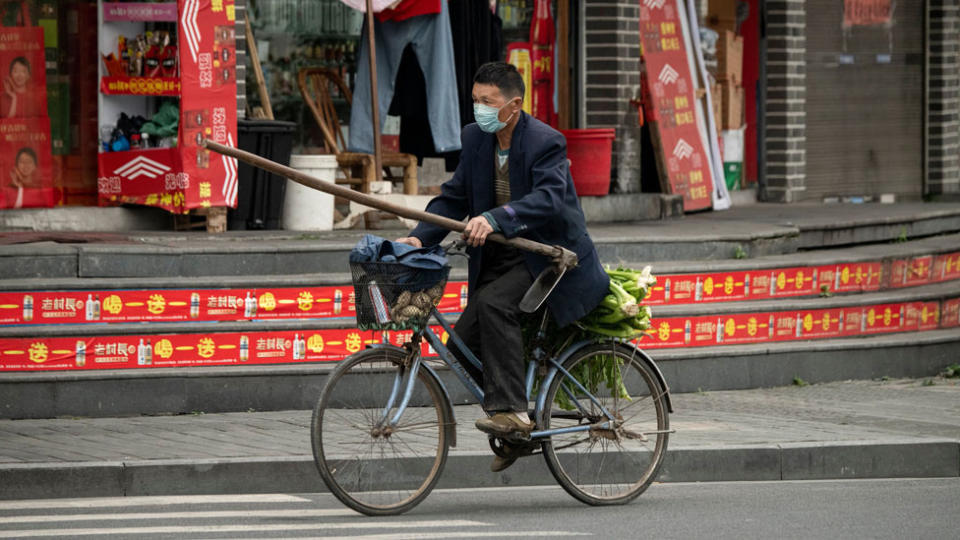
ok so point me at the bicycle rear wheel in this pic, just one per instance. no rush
(370, 466)
(605, 466)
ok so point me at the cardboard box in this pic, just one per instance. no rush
(722, 15)
(724, 9)
(730, 57)
(733, 103)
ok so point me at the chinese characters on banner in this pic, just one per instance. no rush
(26, 163)
(185, 177)
(209, 90)
(186, 350)
(331, 302)
(197, 305)
(258, 346)
(866, 12)
(668, 98)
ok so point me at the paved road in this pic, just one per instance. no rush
(814, 509)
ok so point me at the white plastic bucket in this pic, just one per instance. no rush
(306, 209)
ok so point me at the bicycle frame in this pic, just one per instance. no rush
(405, 379)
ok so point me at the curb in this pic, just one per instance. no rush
(929, 458)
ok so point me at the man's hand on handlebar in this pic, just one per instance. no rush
(477, 230)
(410, 241)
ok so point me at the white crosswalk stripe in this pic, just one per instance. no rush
(179, 515)
(206, 529)
(448, 534)
(122, 502)
(234, 516)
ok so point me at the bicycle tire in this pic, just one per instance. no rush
(569, 456)
(367, 471)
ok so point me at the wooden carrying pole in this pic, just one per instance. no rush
(377, 151)
(561, 256)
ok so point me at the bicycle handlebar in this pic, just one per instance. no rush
(561, 256)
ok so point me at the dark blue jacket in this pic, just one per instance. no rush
(544, 208)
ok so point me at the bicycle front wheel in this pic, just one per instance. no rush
(611, 463)
(370, 465)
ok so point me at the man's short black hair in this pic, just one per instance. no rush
(502, 75)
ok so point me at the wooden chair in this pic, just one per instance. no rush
(315, 86)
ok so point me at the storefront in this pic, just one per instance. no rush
(107, 102)
(422, 68)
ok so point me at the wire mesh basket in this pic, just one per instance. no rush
(393, 296)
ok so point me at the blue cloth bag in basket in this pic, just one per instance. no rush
(372, 248)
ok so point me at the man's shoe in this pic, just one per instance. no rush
(504, 424)
(501, 463)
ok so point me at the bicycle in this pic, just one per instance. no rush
(384, 422)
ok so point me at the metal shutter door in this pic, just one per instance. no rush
(864, 117)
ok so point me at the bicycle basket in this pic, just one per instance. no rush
(393, 296)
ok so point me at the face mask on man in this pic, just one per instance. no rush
(488, 118)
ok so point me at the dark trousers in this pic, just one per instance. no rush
(490, 327)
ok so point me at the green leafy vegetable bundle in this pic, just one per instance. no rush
(620, 314)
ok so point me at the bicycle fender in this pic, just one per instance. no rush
(542, 396)
(451, 424)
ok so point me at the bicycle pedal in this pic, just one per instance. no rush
(517, 438)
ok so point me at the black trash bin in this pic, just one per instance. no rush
(260, 194)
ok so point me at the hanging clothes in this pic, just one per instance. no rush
(477, 39)
(431, 41)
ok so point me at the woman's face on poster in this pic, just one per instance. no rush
(26, 165)
(20, 74)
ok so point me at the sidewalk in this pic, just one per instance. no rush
(853, 429)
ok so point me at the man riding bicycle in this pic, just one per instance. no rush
(514, 179)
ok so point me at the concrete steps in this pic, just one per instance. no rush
(751, 231)
(778, 312)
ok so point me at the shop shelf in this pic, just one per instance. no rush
(140, 86)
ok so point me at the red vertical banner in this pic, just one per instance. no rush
(541, 45)
(26, 163)
(208, 109)
(669, 104)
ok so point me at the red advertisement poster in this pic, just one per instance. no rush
(911, 272)
(669, 106)
(311, 345)
(24, 73)
(923, 315)
(950, 314)
(851, 277)
(198, 305)
(209, 89)
(675, 289)
(946, 267)
(151, 177)
(191, 350)
(26, 163)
